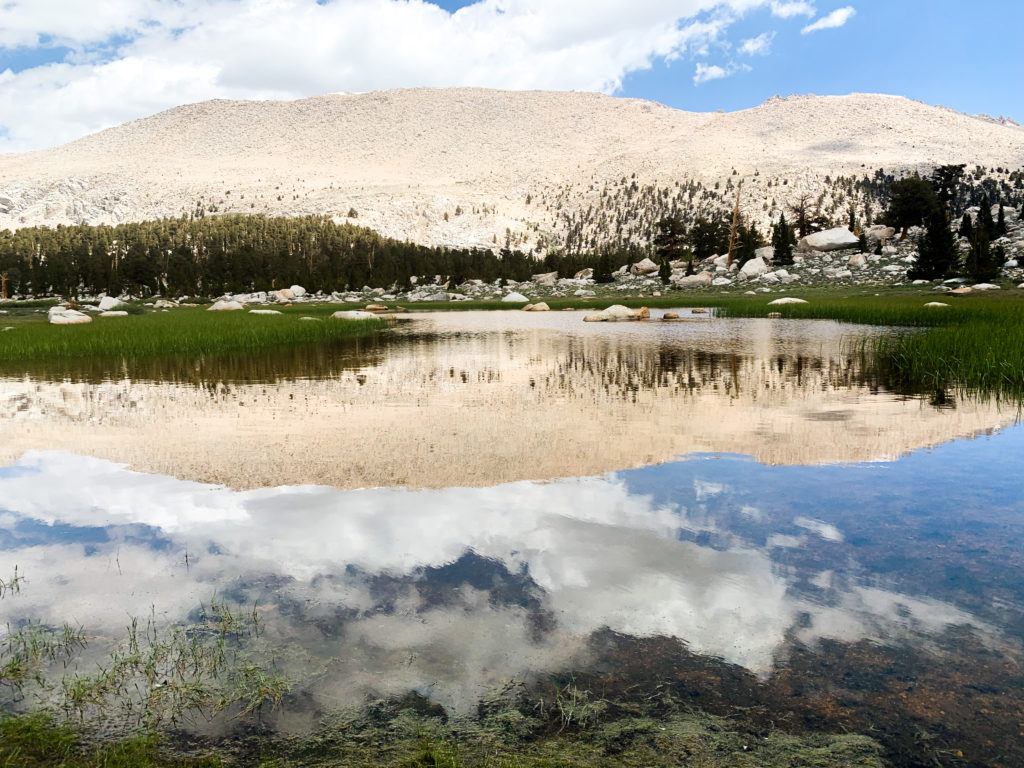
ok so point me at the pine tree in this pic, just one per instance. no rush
(966, 227)
(984, 222)
(665, 271)
(981, 263)
(936, 249)
(782, 242)
(603, 271)
(1001, 222)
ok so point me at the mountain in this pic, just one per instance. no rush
(479, 167)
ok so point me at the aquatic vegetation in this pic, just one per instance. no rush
(185, 331)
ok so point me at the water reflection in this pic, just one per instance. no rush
(480, 398)
(453, 592)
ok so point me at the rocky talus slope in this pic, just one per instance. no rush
(474, 167)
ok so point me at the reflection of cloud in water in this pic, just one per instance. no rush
(362, 578)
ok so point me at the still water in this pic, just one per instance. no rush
(477, 498)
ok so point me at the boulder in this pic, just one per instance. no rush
(584, 274)
(670, 316)
(311, 319)
(765, 254)
(545, 278)
(843, 274)
(518, 298)
(108, 303)
(584, 292)
(65, 316)
(879, 233)
(224, 306)
(285, 294)
(353, 314)
(114, 313)
(164, 304)
(645, 267)
(721, 281)
(439, 297)
(700, 280)
(830, 240)
(297, 291)
(787, 300)
(540, 306)
(375, 308)
(985, 287)
(936, 304)
(857, 261)
(264, 312)
(963, 289)
(754, 268)
(618, 312)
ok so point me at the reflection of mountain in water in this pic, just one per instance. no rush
(481, 398)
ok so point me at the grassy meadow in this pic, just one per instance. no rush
(182, 331)
(975, 344)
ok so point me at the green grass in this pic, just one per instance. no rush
(35, 741)
(185, 331)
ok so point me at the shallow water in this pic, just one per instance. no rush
(480, 398)
(848, 558)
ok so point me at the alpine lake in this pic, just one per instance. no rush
(510, 538)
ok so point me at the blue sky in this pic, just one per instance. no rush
(69, 68)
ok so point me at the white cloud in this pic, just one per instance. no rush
(130, 58)
(833, 20)
(787, 10)
(708, 72)
(758, 46)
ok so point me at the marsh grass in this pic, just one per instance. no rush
(185, 331)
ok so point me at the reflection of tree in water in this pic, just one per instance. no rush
(623, 372)
(309, 361)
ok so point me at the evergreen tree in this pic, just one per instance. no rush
(782, 242)
(946, 181)
(936, 249)
(603, 271)
(984, 222)
(665, 271)
(862, 243)
(966, 227)
(981, 262)
(1001, 222)
(910, 203)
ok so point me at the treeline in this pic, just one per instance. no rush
(238, 253)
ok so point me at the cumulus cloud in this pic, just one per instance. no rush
(837, 18)
(758, 46)
(787, 10)
(707, 72)
(123, 59)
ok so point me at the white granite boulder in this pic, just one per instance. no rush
(830, 240)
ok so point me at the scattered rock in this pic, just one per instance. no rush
(353, 314)
(375, 308)
(774, 315)
(584, 274)
(857, 261)
(830, 240)
(963, 289)
(264, 312)
(936, 304)
(618, 312)
(787, 300)
(518, 298)
(540, 306)
(878, 233)
(108, 303)
(753, 268)
(644, 267)
(114, 313)
(670, 316)
(224, 306)
(985, 287)
(700, 280)
(297, 291)
(66, 316)
(545, 278)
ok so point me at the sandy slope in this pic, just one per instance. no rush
(404, 158)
